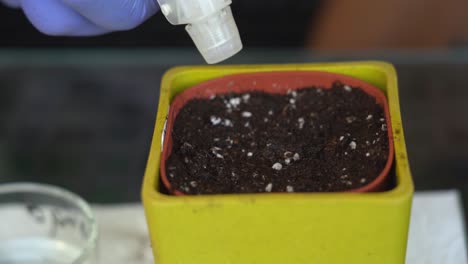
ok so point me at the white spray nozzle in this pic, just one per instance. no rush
(210, 24)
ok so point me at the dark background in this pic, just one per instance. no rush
(265, 23)
(79, 112)
(84, 120)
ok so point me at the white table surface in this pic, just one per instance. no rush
(436, 235)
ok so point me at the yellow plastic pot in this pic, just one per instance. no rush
(275, 228)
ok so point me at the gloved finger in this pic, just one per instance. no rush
(12, 3)
(52, 17)
(115, 14)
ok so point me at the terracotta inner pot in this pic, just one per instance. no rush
(275, 83)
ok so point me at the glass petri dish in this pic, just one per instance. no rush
(42, 224)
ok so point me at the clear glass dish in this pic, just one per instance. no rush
(42, 224)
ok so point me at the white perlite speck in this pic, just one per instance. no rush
(228, 123)
(367, 154)
(296, 157)
(269, 187)
(350, 119)
(270, 112)
(289, 188)
(277, 166)
(352, 145)
(249, 154)
(215, 150)
(292, 101)
(215, 120)
(384, 127)
(287, 161)
(265, 120)
(246, 114)
(193, 184)
(382, 119)
(369, 117)
(246, 97)
(235, 101)
(301, 122)
(341, 138)
(363, 180)
(212, 97)
(347, 88)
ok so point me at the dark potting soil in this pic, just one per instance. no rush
(311, 140)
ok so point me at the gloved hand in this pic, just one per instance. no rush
(85, 17)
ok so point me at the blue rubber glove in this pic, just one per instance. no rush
(85, 17)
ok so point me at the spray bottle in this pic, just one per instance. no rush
(210, 24)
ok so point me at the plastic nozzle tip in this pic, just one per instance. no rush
(216, 37)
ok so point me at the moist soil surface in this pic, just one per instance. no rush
(309, 140)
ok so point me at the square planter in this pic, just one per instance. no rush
(342, 227)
